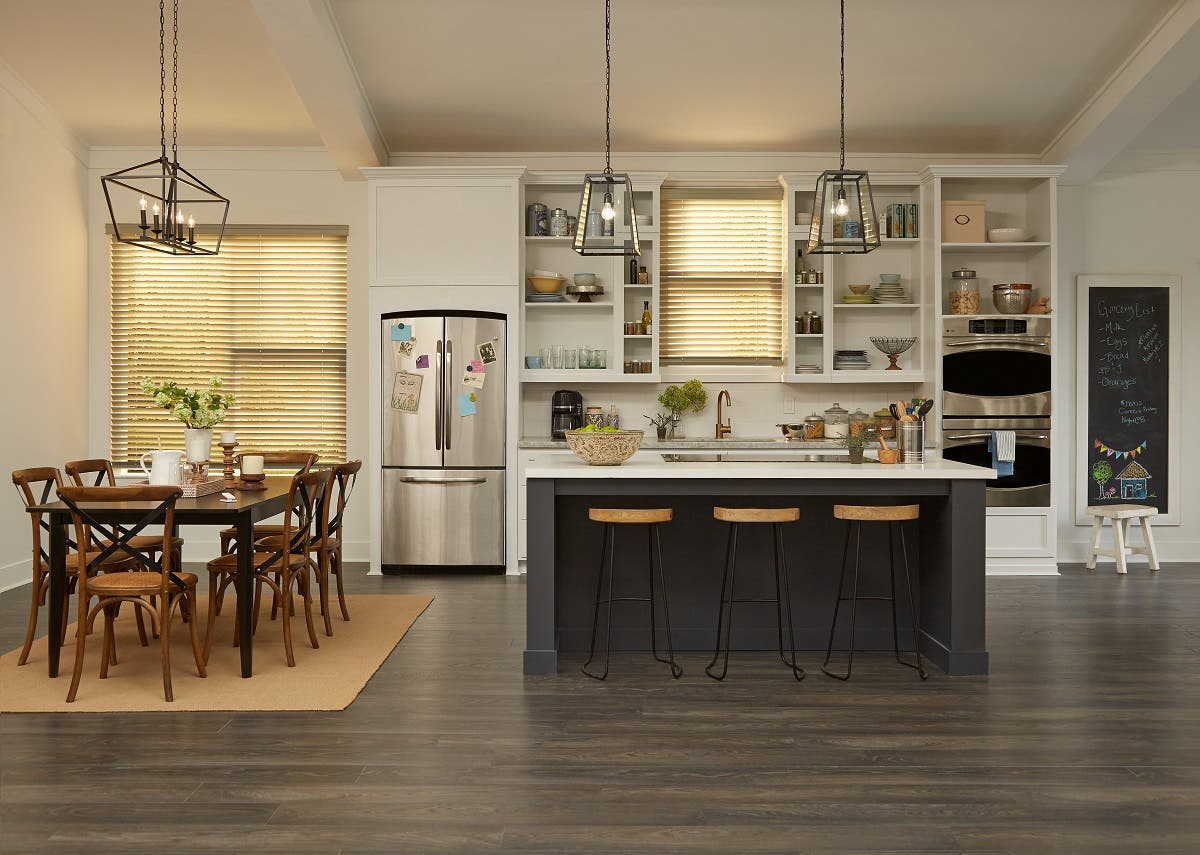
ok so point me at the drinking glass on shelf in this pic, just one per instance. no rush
(585, 357)
(556, 351)
(570, 357)
(601, 358)
(544, 353)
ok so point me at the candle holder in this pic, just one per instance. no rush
(250, 483)
(227, 448)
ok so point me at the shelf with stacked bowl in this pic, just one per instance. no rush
(574, 314)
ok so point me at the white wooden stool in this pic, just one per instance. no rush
(1120, 516)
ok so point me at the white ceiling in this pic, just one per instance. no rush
(968, 76)
(95, 62)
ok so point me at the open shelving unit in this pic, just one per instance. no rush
(599, 324)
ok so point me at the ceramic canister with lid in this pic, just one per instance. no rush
(837, 422)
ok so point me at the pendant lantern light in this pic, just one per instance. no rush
(170, 204)
(595, 232)
(843, 219)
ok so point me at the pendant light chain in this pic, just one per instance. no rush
(842, 137)
(608, 86)
(162, 79)
(175, 83)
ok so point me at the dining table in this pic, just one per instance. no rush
(247, 508)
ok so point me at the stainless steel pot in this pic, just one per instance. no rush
(1012, 298)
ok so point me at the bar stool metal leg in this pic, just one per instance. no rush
(786, 598)
(912, 605)
(676, 670)
(853, 603)
(727, 583)
(606, 554)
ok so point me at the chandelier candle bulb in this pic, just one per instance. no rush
(142, 205)
(191, 229)
(157, 230)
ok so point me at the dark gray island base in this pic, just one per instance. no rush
(945, 549)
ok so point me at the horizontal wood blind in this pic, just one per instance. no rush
(722, 277)
(267, 315)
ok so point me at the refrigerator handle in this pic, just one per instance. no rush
(438, 392)
(446, 396)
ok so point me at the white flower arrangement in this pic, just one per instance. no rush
(196, 409)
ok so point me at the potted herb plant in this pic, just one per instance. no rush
(854, 445)
(199, 410)
(661, 422)
(690, 397)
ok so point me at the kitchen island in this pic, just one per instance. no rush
(564, 547)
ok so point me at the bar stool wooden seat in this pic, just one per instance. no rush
(894, 516)
(1120, 516)
(613, 517)
(783, 601)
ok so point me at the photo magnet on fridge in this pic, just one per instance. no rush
(473, 379)
(406, 391)
(404, 348)
(401, 332)
(487, 352)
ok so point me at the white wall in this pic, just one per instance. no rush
(1138, 216)
(43, 334)
(266, 187)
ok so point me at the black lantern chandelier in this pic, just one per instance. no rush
(595, 231)
(177, 199)
(843, 219)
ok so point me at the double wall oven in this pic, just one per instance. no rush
(996, 375)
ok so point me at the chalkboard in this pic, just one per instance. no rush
(1128, 407)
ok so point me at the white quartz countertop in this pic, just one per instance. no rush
(556, 466)
(652, 443)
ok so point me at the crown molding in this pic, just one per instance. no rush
(41, 112)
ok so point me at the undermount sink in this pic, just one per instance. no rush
(750, 457)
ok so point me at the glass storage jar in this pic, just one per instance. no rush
(964, 292)
(837, 422)
(858, 423)
(814, 427)
(885, 425)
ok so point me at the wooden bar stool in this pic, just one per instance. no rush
(612, 517)
(783, 601)
(894, 516)
(1120, 516)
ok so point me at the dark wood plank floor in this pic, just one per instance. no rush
(1086, 738)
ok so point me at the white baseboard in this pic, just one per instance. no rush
(1076, 552)
(15, 574)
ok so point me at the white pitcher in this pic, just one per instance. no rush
(164, 467)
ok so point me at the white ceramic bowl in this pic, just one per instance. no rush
(604, 448)
(1006, 235)
(546, 284)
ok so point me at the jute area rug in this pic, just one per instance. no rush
(328, 678)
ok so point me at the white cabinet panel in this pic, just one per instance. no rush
(1020, 533)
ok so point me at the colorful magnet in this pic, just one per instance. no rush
(401, 332)
(423, 360)
(466, 405)
(477, 366)
(403, 348)
(487, 352)
(473, 379)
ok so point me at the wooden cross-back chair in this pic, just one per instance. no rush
(99, 472)
(278, 566)
(39, 486)
(303, 460)
(326, 543)
(157, 588)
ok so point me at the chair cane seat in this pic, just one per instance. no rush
(135, 582)
(229, 563)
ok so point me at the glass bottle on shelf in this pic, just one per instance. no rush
(647, 320)
(800, 277)
(643, 276)
(633, 268)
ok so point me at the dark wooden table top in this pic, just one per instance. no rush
(188, 510)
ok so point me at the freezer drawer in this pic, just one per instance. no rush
(443, 519)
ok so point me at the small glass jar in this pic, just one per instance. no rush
(885, 425)
(964, 292)
(837, 422)
(858, 423)
(814, 427)
(594, 417)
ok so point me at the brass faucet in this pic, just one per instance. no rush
(723, 429)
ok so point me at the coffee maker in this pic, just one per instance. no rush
(566, 413)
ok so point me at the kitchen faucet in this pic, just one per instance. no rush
(723, 429)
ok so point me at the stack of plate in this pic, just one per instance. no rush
(851, 360)
(890, 292)
(545, 298)
(858, 299)
(807, 368)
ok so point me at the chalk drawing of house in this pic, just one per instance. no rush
(1133, 481)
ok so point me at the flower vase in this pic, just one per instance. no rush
(676, 429)
(197, 443)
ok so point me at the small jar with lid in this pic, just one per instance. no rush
(858, 423)
(837, 422)
(885, 425)
(964, 292)
(814, 427)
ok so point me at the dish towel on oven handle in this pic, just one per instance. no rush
(1003, 447)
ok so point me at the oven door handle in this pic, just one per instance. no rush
(962, 436)
(984, 343)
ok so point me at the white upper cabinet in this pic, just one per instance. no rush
(434, 226)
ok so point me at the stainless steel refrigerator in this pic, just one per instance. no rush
(443, 441)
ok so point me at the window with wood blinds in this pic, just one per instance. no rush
(721, 299)
(267, 316)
